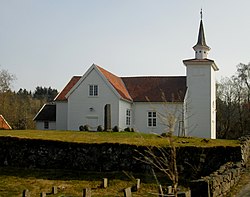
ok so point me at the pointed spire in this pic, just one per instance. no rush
(201, 36)
(201, 46)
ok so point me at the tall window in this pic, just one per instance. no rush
(128, 117)
(46, 125)
(151, 119)
(93, 90)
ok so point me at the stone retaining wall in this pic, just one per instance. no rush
(193, 162)
(245, 149)
(220, 182)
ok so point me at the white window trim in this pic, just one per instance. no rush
(95, 90)
(128, 117)
(152, 118)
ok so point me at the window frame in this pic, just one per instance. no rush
(128, 117)
(151, 119)
(46, 124)
(93, 90)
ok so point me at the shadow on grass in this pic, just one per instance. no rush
(65, 175)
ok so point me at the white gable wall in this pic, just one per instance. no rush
(84, 109)
(140, 116)
(61, 115)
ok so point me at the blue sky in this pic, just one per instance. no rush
(46, 42)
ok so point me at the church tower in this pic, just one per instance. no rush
(200, 102)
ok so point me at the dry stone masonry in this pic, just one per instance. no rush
(219, 167)
(193, 162)
(220, 182)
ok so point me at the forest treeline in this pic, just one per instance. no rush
(19, 108)
(233, 103)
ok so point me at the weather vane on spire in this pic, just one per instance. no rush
(201, 13)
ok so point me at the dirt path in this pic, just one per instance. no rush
(244, 192)
(243, 187)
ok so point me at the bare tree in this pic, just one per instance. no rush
(243, 72)
(164, 159)
(6, 80)
(226, 106)
(233, 96)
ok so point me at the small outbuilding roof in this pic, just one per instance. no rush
(46, 113)
(4, 124)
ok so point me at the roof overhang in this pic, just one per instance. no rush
(199, 62)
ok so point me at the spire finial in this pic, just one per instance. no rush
(201, 47)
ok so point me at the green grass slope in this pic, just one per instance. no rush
(139, 139)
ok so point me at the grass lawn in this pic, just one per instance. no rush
(69, 183)
(13, 181)
(138, 139)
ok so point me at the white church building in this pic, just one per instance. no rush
(185, 105)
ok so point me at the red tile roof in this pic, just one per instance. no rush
(139, 89)
(116, 82)
(156, 89)
(3, 123)
(67, 88)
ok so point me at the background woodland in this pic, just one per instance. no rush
(19, 108)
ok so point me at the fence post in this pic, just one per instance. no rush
(136, 187)
(26, 193)
(161, 194)
(138, 183)
(127, 192)
(54, 190)
(43, 194)
(105, 183)
(170, 191)
(87, 192)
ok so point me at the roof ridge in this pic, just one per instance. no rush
(119, 86)
(158, 76)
